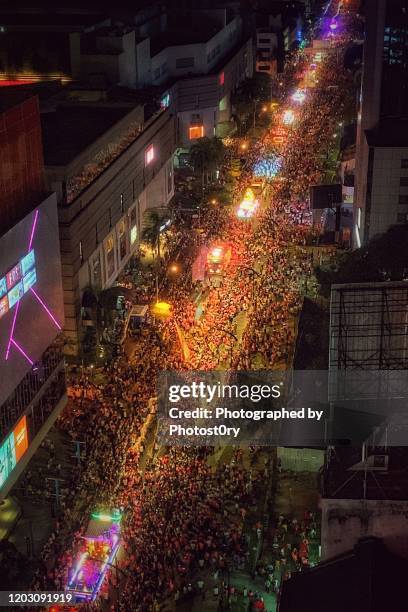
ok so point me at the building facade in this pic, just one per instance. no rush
(382, 138)
(32, 369)
(103, 191)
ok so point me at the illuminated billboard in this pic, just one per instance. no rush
(31, 304)
(12, 449)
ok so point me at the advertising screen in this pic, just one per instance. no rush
(31, 305)
(12, 449)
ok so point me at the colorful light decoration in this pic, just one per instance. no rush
(299, 96)
(267, 168)
(333, 25)
(99, 554)
(248, 206)
(12, 341)
(288, 117)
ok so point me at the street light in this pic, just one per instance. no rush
(162, 310)
(174, 268)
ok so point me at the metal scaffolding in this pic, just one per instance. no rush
(369, 326)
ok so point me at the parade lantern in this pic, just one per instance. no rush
(268, 167)
(248, 206)
(299, 96)
(288, 117)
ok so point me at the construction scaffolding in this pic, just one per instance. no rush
(369, 326)
(368, 355)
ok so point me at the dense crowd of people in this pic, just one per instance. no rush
(180, 513)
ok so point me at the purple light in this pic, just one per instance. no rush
(22, 352)
(12, 330)
(33, 230)
(47, 310)
(333, 25)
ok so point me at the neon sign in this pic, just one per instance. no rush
(17, 282)
(12, 449)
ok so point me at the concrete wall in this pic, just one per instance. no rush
(385, 190)
(202, 95)
(344, 521)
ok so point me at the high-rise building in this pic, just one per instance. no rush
(381, 196)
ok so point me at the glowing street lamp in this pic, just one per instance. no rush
(244, 146)
(162, 310)
(174, 268)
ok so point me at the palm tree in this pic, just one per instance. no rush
(151, 235)
(151, 232)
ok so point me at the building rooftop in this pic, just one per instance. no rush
(185, 30)
(389, 133)
(368, 578)
(71, 129)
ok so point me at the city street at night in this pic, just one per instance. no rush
(203, 305)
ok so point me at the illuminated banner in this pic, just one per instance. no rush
(12, 449)
(17, 282)
(31, 305)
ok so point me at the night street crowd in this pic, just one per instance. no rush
(180, 514)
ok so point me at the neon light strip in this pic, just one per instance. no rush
(12, 330)
(106, 517)
(33, 230)
(81, 561)
(105, 566)
(22, 352)
(47, 310)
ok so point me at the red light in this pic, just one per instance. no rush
(222, 78)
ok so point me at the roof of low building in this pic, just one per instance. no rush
(367, 579)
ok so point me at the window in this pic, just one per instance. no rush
(110, 257)
(222, 78)
(402, 218)
(263, 67)
(196, 131)
(195, 118)
(404, 163)
(165, 101)
(133, 225)
(264, 41)
(185, 62)
(149, 155)
(403, 199)
(122, 240)
(169, 181)
(404, 181)
(96, 272)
